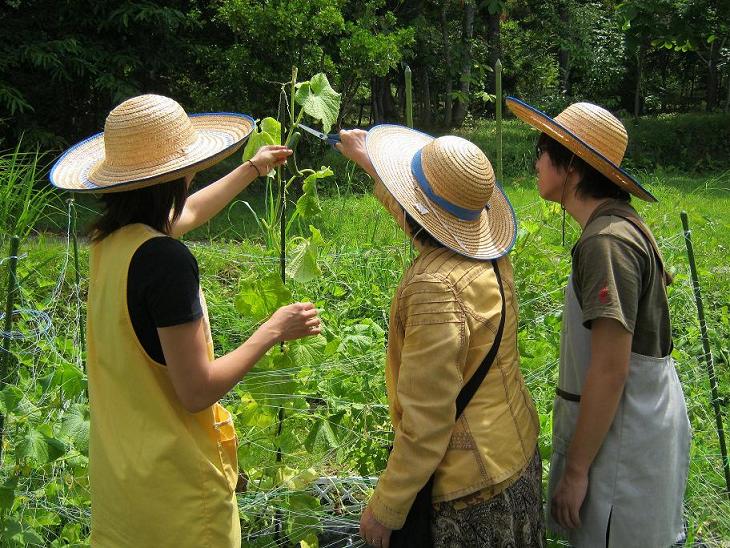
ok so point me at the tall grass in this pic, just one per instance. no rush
(22, 200)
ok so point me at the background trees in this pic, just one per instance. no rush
(64, 64)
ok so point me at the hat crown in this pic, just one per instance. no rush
(146, 130)
(458, 171)
(597, 128)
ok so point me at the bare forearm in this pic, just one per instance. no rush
(601, 394)
(207, 202)
(225, 372)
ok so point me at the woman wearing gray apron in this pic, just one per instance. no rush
(621, 435)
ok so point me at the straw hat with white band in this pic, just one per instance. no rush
(591, 133)
(448, 186)
(149, 140)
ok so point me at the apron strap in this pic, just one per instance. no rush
(640, 225)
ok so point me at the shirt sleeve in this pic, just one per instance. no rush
(172, 283)
(608, 280)
(429, 380)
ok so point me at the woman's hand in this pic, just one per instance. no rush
(352, 146)
(294, 321)
(372, 531)
(568, 498)
(270, 156)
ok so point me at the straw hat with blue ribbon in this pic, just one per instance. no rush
(147, 140)
(591, 133)
(448, 186)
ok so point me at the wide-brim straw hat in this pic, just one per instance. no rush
(448, 186)
(591, 133)
(147, 140)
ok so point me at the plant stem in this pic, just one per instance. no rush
(8, 324)
(498, 112)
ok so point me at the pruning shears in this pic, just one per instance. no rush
(329, 138)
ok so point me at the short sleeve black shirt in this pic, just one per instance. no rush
(162, 290)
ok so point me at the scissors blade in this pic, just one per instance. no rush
(317, 134)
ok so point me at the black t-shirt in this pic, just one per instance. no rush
(162, 290)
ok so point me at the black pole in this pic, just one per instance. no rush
(74, 239)
(5, 358)
(706, 348)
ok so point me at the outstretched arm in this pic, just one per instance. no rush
(206, 203)
(200, 382)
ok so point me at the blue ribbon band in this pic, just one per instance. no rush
(457, 211)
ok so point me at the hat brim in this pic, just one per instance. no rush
(542, 122)
(219, 134)
(391, 149)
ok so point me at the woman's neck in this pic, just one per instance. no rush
(581, 208)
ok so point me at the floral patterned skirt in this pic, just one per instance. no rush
(511, 519)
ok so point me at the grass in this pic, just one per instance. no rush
(340, 386)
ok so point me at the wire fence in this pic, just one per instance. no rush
(324, 480)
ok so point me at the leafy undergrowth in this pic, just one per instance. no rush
(331, 388)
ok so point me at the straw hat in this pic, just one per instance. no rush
(448, 186)
(148, 140)
(591, 133)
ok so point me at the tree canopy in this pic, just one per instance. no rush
(63, 65)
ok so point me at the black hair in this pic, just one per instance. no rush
(593, 183)
(150, 205)
(420, 234)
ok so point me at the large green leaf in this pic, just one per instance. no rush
(10, 396)
(7, 493)
(308, 205)
(38, 446)
(319, 100)
(260, 297)
(302, 265)
(268, 132)
(76, 427)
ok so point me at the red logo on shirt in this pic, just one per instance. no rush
(603, 295)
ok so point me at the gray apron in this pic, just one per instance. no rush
(636, 482)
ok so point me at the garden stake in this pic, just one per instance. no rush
(8, 324)
(73, 217)
(706, 348)
(409, 97)
(498, 112)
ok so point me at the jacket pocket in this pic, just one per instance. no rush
(227, 444)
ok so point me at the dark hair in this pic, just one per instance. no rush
(420, 233)
(150, 205)
(593, 183)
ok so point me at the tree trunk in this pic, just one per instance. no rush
(494, 45)
(426, 102)
(462, 103)
(447, 59)
(390, 109)
(713, 60)
(638, 99)
(564, 53)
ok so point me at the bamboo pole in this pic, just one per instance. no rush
(6, 358)
(409, 96)
(706, 347)
(498, 105)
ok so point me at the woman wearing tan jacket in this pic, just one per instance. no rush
(449, 311)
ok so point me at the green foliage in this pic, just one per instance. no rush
(22, 203)
(319, 100)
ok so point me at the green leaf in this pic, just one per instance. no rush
(38, 447)
(7, 493)
(302, 265)
(319, 100)
(268, 132)
(76, 427)
(258, 298)
(70, 379)
(10, 396)
(308, 206)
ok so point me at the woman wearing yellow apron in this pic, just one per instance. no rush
(162, 455)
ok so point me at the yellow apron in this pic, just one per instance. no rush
(160, 476)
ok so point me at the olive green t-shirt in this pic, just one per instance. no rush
(617, 275)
